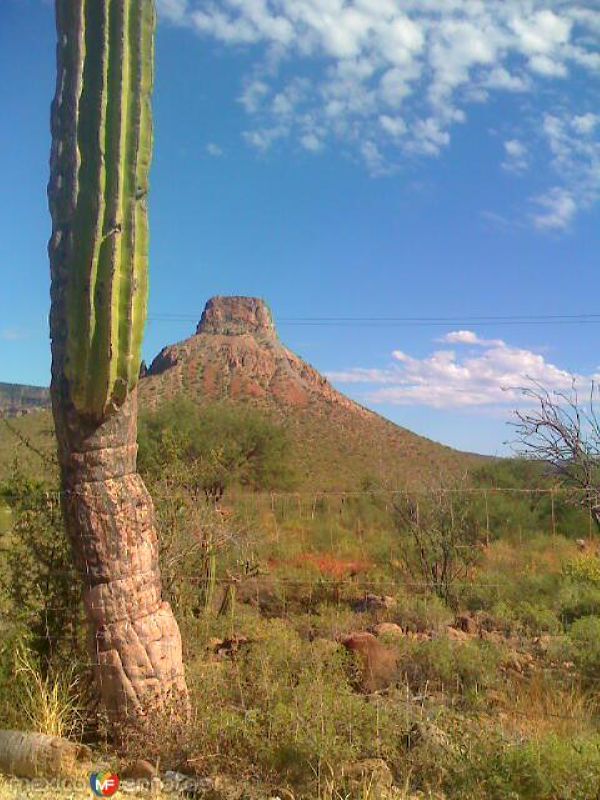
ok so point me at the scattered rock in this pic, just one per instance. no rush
(187, 785)
(492, 636)
(373, 773)
(388, 629)
(466, 623)
(418, 636)
(513, 662)
(518, 662)
(138, 770)
(375, 602)
(543, 643)
(377, 663)
(435, 737)
(457, 634)
(226, 648)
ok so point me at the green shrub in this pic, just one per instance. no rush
(502, 593)
(583, 569)
(286, 706)
(439, 535)
(531, 619)
(38, 579)
(584, 637)
(421, 613)
(465, 758)
(546, 770)
(460, 667)
(577, 600)
(209, 448)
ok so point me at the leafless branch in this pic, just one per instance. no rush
(564, 431)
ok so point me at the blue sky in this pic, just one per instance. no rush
(357, 159)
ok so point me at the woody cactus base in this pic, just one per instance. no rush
(101, 151)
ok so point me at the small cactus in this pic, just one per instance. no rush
(101, 154)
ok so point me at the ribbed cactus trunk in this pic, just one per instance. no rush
(101, 151)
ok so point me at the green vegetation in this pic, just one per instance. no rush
(490, 690)
(38, 579)
(22, 440)
(441, 536)
(210, 449)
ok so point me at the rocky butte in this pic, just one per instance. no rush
(236, 356)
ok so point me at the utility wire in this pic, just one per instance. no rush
(513, 319)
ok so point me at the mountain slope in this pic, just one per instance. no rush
(236, 356)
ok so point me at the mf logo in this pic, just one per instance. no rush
(104, 784)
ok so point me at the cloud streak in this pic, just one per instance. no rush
(12, 334)
(480, 373)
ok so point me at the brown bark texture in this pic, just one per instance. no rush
(135, 643)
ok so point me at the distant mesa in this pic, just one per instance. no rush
(236, 356)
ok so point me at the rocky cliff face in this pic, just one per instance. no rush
(234, 316)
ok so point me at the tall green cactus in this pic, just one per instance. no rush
(106, 291)
(101, 149)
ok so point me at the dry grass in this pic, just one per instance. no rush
(538, 706)
(48, 703)
(532, 558)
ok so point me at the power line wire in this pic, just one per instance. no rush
(512, 319)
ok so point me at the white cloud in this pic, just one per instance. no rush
(516, 156)
(501, 78)
(395, 126)
(585, 124)
(253, 95)
(430, 138)
(311, 142)
(264, 138)
(373, 158)
(175, 11)
(469, 337)
(574, 148)
(557, 208)
(214, 150)
(12, 334)
(488, 377)
(548, 67)
(392, 79)
(542, 32)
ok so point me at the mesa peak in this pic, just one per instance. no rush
(235, 315)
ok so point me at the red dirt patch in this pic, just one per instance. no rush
(326, 564)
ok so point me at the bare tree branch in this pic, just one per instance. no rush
(563, 431)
